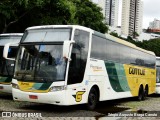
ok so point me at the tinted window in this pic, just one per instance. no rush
(79, 57)
(1, 52)
(106, 49)
(125, 58)
(99, 48)
(12, 52)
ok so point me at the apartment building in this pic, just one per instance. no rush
(110, 11)
(132, 16)
(155, 24)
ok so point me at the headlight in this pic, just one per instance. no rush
(57, 88)
(15, 86)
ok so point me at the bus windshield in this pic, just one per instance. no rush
(40, 63)
(7, 66)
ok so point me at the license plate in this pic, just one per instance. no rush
(33, 96)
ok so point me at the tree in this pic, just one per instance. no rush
(129, 38)
(57, 12)
(89, 14)
(135, 34)
(12, 11)
(114, 34)
(17, 15)
(151, 45)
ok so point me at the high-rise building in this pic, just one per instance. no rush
(155, 24)
(132, 14)
(111, 12)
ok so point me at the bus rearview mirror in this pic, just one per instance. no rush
(66, 48)
(5, 52)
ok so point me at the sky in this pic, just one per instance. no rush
(151, 10)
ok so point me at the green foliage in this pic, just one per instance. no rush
(151, 45)
(17, 15)
(89, 15)
(129, 38)
(13, 12)
(56, 12)
(114, 34)
(135, 34)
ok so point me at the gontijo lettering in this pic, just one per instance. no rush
(136, 71)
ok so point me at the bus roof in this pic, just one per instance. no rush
(118, 40)
(132, 45)
(59, 26)
(11, 34)
(115, 39)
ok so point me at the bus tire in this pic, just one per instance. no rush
(146, 91)
(141, 94)
(92, 99)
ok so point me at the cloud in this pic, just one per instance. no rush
(151, 10)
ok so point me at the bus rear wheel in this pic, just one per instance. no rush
(141, 95)
(146, 91)
(92, 99)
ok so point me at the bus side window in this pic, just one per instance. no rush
(79, 57)
(74, 60)
(74, 74)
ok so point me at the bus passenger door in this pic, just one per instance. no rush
(76, 90)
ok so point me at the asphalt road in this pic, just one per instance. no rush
(152, 103)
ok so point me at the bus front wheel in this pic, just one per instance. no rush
(92, 99)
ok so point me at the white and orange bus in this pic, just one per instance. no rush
(70, 64)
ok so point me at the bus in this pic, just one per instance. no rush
(8, 47)
(158, 75)
(71, 64)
